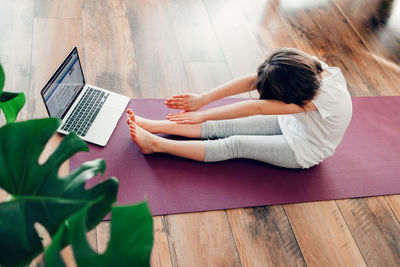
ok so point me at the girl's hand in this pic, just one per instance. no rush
(187, 102)
(187, 117)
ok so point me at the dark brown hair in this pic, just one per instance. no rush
(289, 75)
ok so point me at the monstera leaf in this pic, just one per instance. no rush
(130, 243)
(38, 194)
(10, 103)
(2, 78)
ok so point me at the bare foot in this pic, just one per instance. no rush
(147, 124)
(147, 142)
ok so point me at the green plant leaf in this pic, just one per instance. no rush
(130, 242)
(2, 79)
(11, 104)
(38, 194)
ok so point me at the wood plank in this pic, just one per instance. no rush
(394, 203)
(384, 90)
(46, 56)
(70, 9)
(3, 195)
(103, 232)
(109, 55)
(15, 47)
(19, 33)
(273, 30)
(91, 237)
(159, 63)
(194, 33)
(305, 36)
(325, 29)
(364, 69)
(66, 253)
(264, 237)
(303, 210)
(201, 239)
(204, 76)
(160, 255)
(48, 29)
(68, 257)
(242, 51)
(375, 24)
(323, 236)
(266, 25)
(204, 238)
(46, 240)
(375, 229)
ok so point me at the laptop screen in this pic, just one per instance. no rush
(64, 86)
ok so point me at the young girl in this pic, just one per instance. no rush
(301, 116)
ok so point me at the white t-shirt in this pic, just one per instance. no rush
(314, 135)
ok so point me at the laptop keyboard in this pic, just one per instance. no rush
(85, 112)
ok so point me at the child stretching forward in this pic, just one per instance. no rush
(302, 114)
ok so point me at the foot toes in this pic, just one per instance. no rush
(130, 116)
(132, 125)
(132, 129)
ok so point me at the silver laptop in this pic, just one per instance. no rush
(89, 111)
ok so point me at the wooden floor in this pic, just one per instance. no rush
(157, 48)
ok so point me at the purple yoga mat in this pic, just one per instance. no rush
(366, 163)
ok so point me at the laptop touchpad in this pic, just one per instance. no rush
(106, 121)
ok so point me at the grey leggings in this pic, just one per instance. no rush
(256, 137)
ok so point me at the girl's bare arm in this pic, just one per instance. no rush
(240, 109)
(191, 102)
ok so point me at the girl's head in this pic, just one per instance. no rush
(289, 75)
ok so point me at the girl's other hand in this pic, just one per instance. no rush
(187, 102)
(186, 117)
